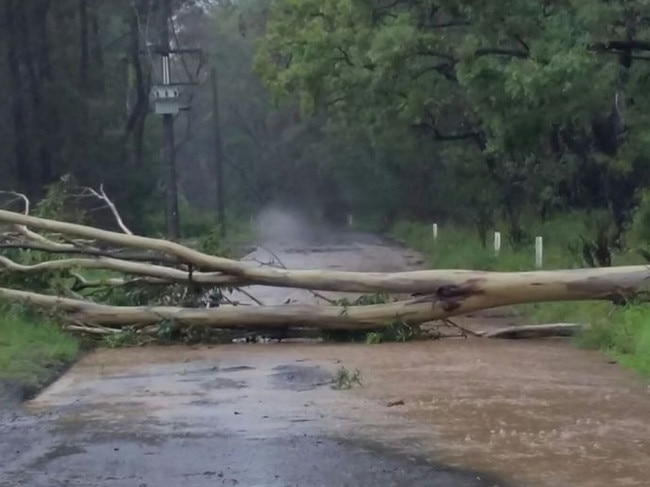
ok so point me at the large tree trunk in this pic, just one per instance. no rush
(443, 293)
(471, 292)
(489, 288)
(84, 47)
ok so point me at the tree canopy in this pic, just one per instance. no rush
(543, 101)
(472, 111)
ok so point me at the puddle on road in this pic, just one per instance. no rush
(536, 413)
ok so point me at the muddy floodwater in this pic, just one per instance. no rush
(447, 413)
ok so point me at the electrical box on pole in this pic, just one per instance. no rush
(167, 99)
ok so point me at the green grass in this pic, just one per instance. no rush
(32, 348)
(460, 248)
(621, 332)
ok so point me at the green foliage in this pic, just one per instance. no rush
(363, 300)
(396, 331)
(344, 336)
(62, 117)
(194, 222)
(346, 379)
(374, 337)
(640, 230)
(520, 108)
(32, 346)
(622, 332)
(460, 248)
(165, 330)
(55, 205)
(125, 338)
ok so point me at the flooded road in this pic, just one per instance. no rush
(173, 416)
(249, 415)
(452, 413)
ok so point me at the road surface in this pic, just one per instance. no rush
(247, 415)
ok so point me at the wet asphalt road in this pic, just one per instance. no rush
(223, 417)
(199, 423)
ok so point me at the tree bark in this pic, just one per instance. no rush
(41, 74)
(84, 46)
(18, 107)
(535, 331)
(450, 286)
(471, 295)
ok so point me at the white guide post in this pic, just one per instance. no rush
(539, 252)
(497, 243)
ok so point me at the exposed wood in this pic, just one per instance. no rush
(440, 293)
(72, 250)
(167, 274)
(536, 331)
(466, 298)
(472, 289)
(102, 196)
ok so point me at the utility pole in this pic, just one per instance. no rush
(218, 155)
(168, 99)
(172, 225)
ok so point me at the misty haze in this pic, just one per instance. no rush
(324, 243)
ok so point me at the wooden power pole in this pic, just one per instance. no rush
(172, 223)
(218, 156)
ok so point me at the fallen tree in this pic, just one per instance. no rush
(439, 294)
(458, 299)
(578, 283)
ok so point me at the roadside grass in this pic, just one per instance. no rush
(620, 332)
(33, 349)
(623, 334)
(460, 248)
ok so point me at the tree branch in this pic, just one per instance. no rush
(30, 235)
(346, 56)
(450, 23)
(101, 195)
(488, 51)
(143, 257)
(445, 69)
(146, 270)
(435, 53)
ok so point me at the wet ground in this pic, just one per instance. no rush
(447, 413)
(229, 415)
(222, 416)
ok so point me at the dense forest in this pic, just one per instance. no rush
(471, 112)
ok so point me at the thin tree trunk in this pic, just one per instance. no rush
(84, 47)
(18, 110)
(39, 69)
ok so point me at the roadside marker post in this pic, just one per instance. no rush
(497, 243)
(539, 252)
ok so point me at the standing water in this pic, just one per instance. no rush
(541, 412)
(532, 413)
